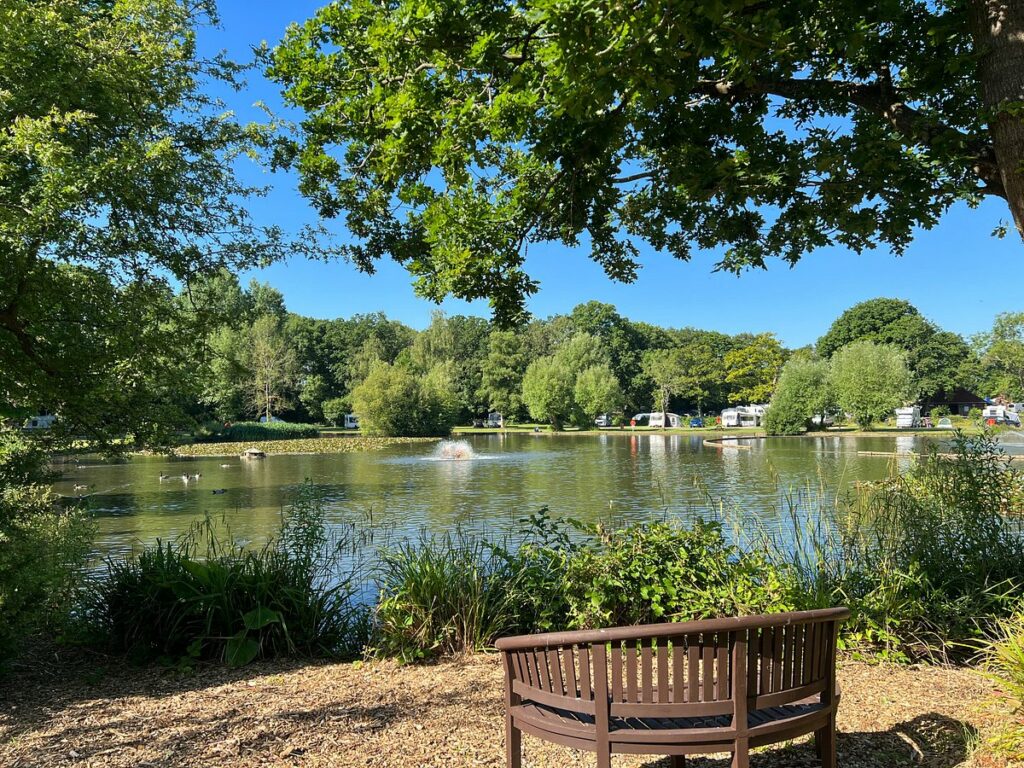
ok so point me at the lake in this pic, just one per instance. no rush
(405, 489)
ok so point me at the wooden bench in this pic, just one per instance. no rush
(720, 685)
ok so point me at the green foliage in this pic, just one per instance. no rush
(597, 391)
(754, 369)
(870, 380)
(119, 180)
(1002, 355)
(940, 361)
(334, 410)
(395, 401)
(927, 560)
(548, 391)
(1003, 659)
(205, 596)
(693, 371)
(498, 126)
(443, 595)
(43, 546)
(573, 384)
(803, 392)
(272, 366)
(253, 430)
(652, 572)
(501, 379)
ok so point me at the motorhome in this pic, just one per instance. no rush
(908, 417)
(1000, 414)
(731, 417)
(494, 420)
(351, 421)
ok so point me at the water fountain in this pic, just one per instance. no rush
(454, 450)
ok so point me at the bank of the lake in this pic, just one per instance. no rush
(59, 712)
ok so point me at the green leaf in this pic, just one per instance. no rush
(240, 650)
(260, 617)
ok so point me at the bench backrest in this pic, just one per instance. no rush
(693, 669)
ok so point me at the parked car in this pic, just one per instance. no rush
(696, 422)
(604, 420)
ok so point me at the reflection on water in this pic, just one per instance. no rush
(621, 475)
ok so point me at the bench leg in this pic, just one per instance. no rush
(677, 761)
(741, 754)
(604, 758)
(513, 745)
(825, 744)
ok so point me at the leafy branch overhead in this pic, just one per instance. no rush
(452, 135)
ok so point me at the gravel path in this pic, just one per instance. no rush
(98, 712)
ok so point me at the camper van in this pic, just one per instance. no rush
(351, 421)
(1000, 414)
(730, 417)
(908, 417)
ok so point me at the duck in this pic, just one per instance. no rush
(186, 477)
(164, 476)
(225, 466)
(219, 490)
(81, 487)
(196, 476)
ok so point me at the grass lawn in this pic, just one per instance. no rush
(62, 713)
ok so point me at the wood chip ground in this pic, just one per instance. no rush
(87, 713)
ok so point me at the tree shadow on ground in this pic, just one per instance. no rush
(930, 740)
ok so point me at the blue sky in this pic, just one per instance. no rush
(956, 274)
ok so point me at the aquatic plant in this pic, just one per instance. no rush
(206, 596)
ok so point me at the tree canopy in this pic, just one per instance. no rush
(117, 181)
(453, 134)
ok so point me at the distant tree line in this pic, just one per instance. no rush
(262, 360)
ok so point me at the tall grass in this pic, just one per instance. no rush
(443, 595)
(206, 596)
(928, 560)
(1003, 661)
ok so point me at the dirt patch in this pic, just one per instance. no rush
(55, 713)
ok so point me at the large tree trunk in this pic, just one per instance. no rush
(998, 29)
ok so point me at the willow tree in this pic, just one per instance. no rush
(453, 134)
(117, 185)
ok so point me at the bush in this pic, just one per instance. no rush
(245, 431)
(443, 595)
(335, 409)
(457, 592)
(204, 596)
(939, 411)
(802, 392)
(1003, 660)
(927, 560)
(394, 401)
(651, 572)
(43, 545)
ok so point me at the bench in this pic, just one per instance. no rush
(718, 685)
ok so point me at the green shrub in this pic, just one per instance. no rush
(1003, 659)
(245, 431)
(927, 560)
(395, 401)
(939, 411)
(204, 596)
(443, 595)
(43, 545)
(335, 409)
(651, 572)
(802, 392)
